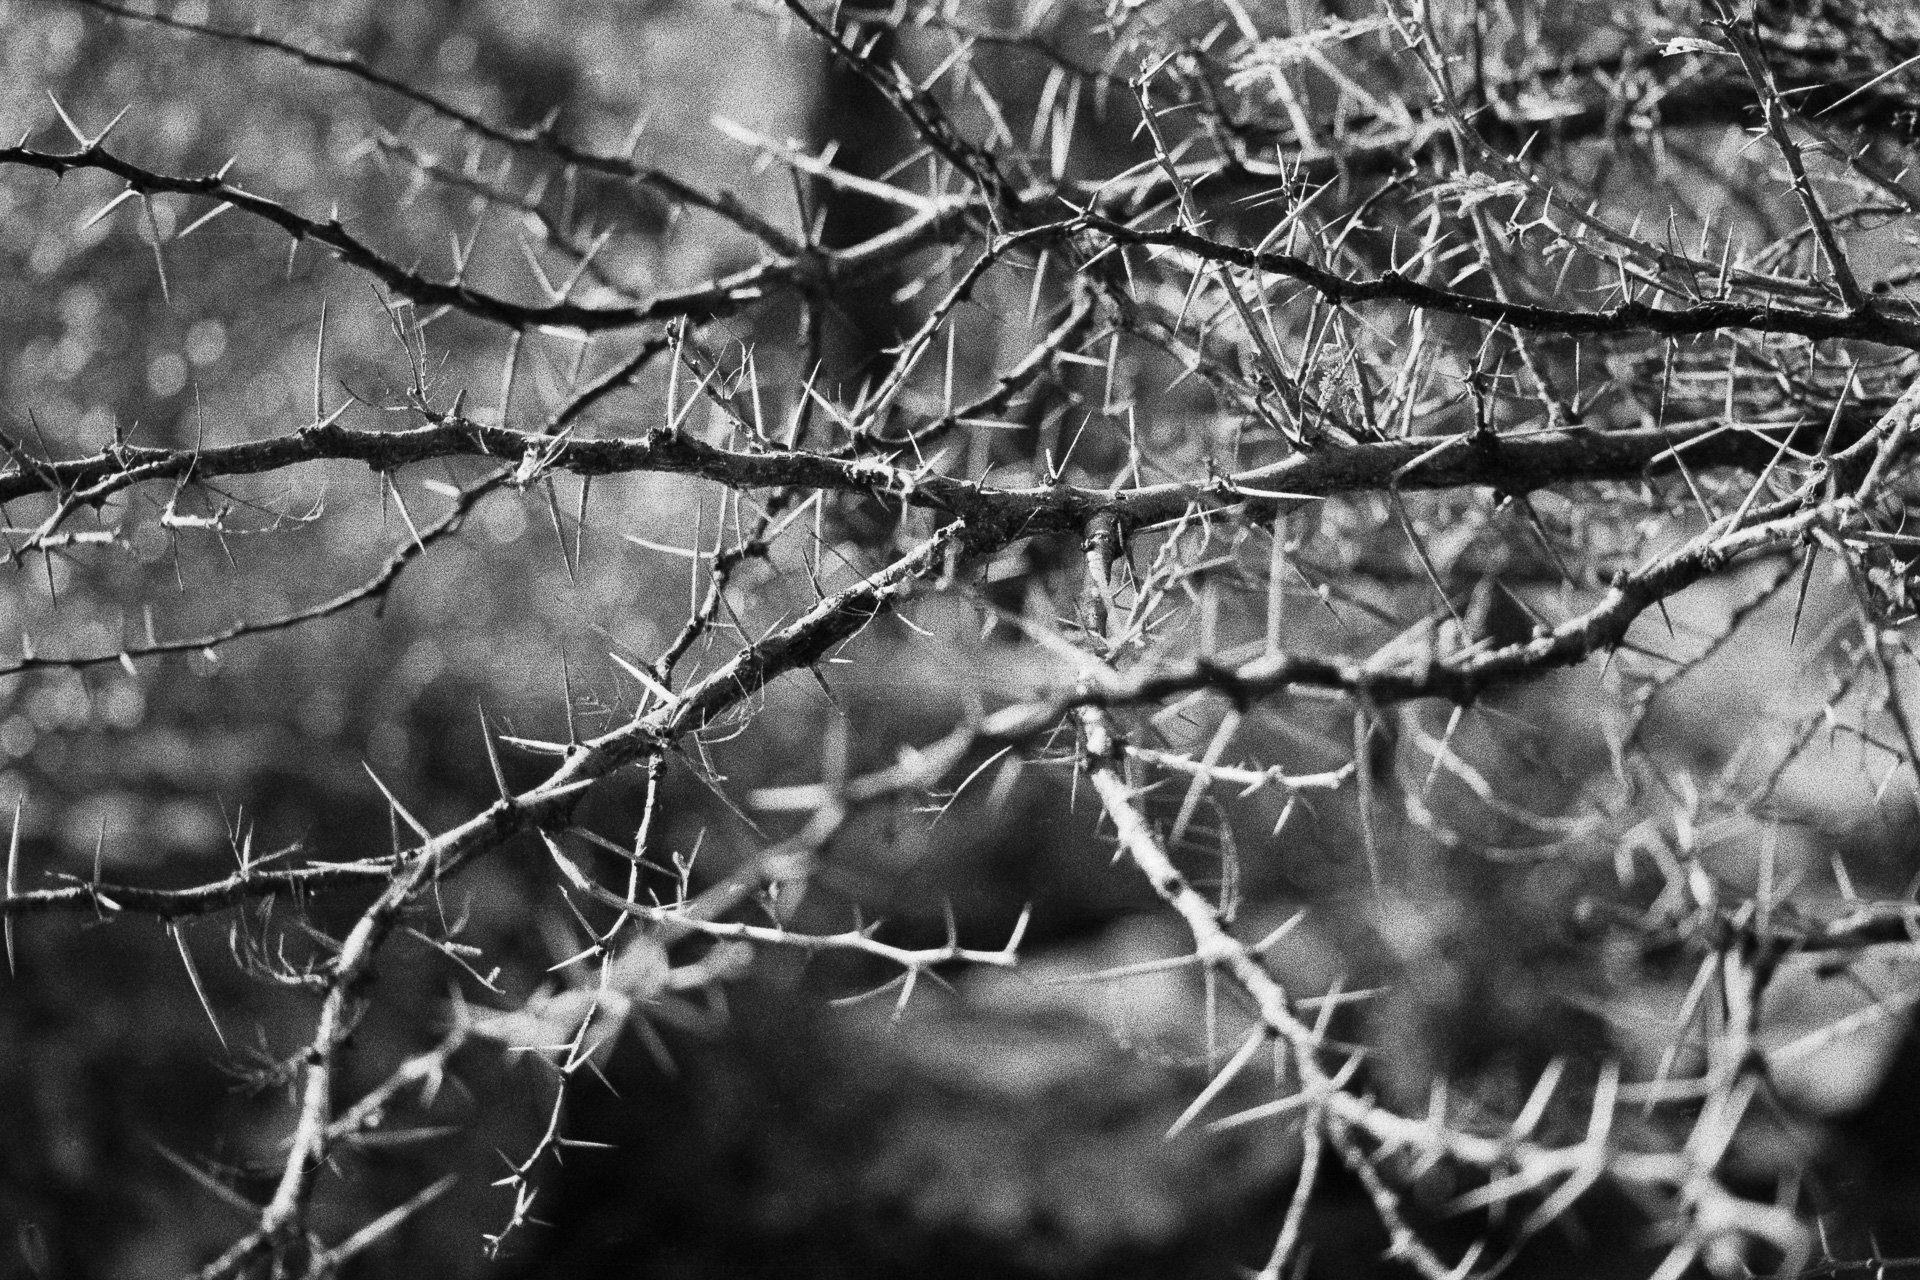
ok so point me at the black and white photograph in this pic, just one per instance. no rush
(950, 639)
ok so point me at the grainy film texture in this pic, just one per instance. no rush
(1042, 638)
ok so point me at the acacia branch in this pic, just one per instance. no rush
(1515, 463)
(1866, 324)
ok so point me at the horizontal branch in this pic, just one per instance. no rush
(110, 898)
(1516, 463)
(727, 295)
(1867, 324)
(1459, 676)
(915, 960)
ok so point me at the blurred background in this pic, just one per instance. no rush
(1011, 1123)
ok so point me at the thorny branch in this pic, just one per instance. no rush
(1369, 368)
